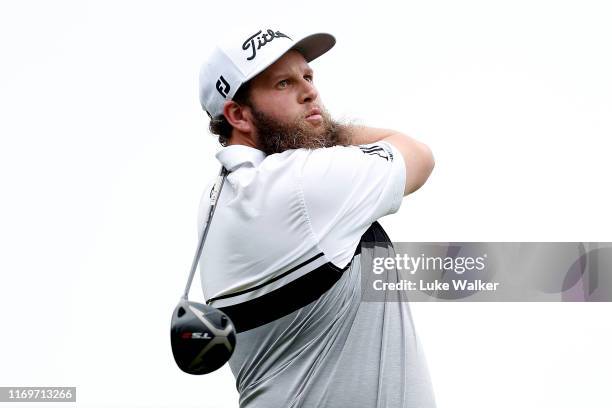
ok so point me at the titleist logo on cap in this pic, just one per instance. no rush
(262, 39)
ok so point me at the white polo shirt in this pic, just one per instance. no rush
(283, 249)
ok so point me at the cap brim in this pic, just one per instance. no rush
(315, 45)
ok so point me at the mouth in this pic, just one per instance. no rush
(314, 115)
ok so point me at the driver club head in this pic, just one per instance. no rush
(203, 338)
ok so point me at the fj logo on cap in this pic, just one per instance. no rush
(222, 86)
(262, 40)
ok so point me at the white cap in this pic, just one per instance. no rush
(234, 63)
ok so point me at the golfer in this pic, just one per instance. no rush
(282, 257)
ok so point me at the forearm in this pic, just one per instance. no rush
(358, 135)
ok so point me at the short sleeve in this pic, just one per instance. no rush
(346, 189)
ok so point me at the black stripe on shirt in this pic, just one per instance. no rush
(282, 275)
(296, 294)
(285, 300)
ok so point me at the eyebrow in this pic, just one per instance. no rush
(285, 74)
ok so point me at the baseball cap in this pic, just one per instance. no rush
(237, 60)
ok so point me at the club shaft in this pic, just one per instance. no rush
(214, 197)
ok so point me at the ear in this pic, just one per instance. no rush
(239, 116)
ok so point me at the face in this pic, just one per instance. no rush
(285, 108)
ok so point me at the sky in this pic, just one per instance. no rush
(104, 155)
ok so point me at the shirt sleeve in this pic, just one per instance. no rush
(345, 189)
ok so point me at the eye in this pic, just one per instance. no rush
(308, 77)
(283, 83)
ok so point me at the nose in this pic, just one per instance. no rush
(309, 92)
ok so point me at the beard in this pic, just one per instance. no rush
(274, 136)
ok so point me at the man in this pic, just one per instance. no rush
(283, 253)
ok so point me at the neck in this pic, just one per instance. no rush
(239, 138)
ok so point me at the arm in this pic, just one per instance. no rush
(418, 158)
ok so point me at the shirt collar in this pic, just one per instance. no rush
(234, 156)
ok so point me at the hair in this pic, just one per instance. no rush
(219, 125)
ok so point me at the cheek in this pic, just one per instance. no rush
(282, 107)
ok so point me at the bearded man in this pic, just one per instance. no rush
(283, 255)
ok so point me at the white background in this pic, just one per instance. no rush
(104, 155)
